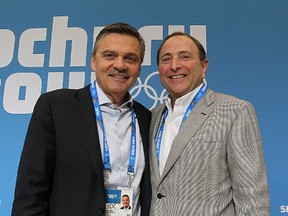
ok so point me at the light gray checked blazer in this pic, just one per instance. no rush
(216, 163)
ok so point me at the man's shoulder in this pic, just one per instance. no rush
(66, 93)
(62, 97)
(223, 96)
(223, 99)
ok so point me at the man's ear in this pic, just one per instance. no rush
(204, 67)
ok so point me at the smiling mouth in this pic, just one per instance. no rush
(177, 76)
(119, 76)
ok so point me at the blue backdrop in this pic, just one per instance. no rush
(46, 45)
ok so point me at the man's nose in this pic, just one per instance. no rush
(175, 64)
(119, 64)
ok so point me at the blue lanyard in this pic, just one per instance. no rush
(99, 118)
(191, 106)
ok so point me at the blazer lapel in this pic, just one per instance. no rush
(86, 122)
(143, 125)
(197, 117)
(155, 123)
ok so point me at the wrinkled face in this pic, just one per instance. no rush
(180, 67)
(125, 201)
(116, 64)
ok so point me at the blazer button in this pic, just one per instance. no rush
(159, 196)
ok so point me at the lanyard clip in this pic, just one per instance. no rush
(130, 178)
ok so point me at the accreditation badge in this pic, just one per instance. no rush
(119, 201)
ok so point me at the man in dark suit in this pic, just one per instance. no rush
(80, 143)
(206, 149)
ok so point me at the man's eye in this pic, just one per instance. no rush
(131, 59)
(185, 57)
(109, 55)
(166, 60)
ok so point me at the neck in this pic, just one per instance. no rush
(173, 100)
(118, 99)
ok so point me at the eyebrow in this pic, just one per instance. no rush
(165, 54)
(116, 52)
(178, 53)
(108, 51)
(131, 54)
(184, 52)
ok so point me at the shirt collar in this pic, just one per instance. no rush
(183, 101)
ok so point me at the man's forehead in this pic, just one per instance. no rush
(179, 44)
(177, 38)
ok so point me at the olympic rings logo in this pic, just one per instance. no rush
(149, 90)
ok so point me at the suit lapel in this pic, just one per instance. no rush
(143, 125)
(197, 117)
(155, 123)
(86, 122)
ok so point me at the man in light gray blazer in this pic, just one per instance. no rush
(206, 149)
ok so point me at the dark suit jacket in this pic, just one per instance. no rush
(129, 207)
(61, 169)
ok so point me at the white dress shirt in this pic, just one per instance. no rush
(117, 124)
(172, 124)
